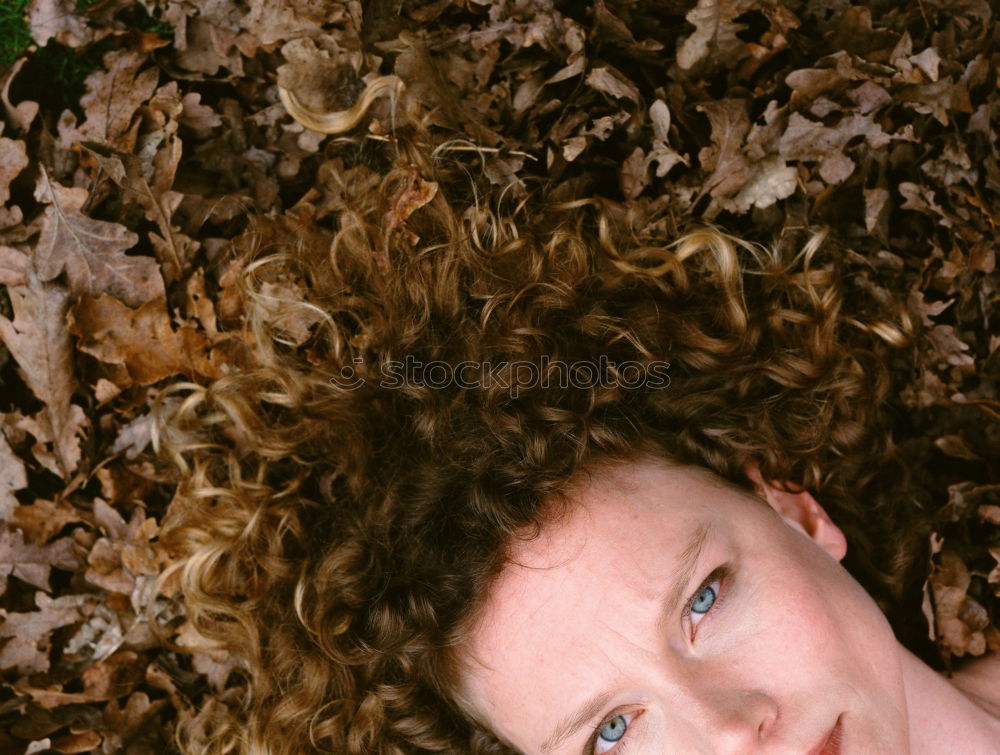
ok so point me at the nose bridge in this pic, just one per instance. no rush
(731, 714)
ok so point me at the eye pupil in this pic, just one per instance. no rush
(614, 729)
(703, 602)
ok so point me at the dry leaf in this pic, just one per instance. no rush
(200, 118)
(924, 310)
(112, 101)
(98, 637)
(808, 140)
(142, 340)
(634, 174)
(42, 519)
(113, 676)
(606, 79)
(877, 212)
(994, 576)
(207, 41)
(58, 19)
(115, 561)
(921, 199)
(960, 619)
(147, 179)
(324, 80)
(27, 647)
(24, 112)
(725, 162)
(715, 33)
(869, 97)
(410, 197)
(289, 314)
(276, 22)
(947, 347)
(200, 306)
(39, 342)
(955, 446)
(13, 267)
(928, 62)
(12, 478)
(665, 158)
(659, 114)
(13, 159)
(215, 663)
(92, 252)
(33, 563)
(83, 741)
(771, 179)
(122, 723)
(133, 437)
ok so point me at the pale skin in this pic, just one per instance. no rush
(778, 647)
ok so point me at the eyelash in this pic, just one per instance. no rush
(622, 746)
(720, 574)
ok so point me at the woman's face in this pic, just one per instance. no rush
(668, 613)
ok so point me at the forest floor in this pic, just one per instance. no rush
(137, 137)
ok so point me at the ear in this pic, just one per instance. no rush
(802, 512)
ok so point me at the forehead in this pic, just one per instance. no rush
(612, 554)
(616, 509)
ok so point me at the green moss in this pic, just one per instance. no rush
(14, 34)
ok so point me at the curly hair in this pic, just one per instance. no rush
(337, 531)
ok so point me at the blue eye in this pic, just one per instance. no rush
(614, 729)
(608, 739)
(709, 596)
(703, 600)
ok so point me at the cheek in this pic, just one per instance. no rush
(811, 616)
(830, 636)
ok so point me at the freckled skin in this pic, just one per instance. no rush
(792, 641)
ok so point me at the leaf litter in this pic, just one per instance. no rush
(117, 212)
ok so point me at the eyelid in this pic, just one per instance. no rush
(592, 742)
(721, 573)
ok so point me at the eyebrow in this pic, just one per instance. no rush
(687, 562)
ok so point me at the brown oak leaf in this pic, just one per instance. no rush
(111, 103)
(27, 647)
(84, 741)
(125, 552)
(41, 519)
(120, 724)
(13, 266)
(147, 180)
(114, 676)
(142, 340)
(276, 22)
(39, 342)
(728, 167)
(715, 33)
(58, 19)
(960, 619)
(809, 140)
(92, 252)
(32, 563)
(612, 82)
(12, 478)
(13, 159)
